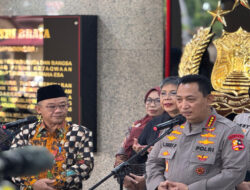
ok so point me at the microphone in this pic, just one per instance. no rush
(178, 120)
(25, 161)
(27, 120)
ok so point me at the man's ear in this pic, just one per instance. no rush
(210, 99)
(38, 109)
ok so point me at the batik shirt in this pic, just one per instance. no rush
(72, 148)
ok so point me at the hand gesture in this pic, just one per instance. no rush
(134, 182)
(176, 186)
(136, 146)
(43, 184)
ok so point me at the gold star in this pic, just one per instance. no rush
(219, 14)
(236, 3)
(245, 3)
(242, 2)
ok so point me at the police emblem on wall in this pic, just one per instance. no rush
(230, 75)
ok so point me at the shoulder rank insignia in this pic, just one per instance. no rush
(210, 121)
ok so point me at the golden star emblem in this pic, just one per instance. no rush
(242, 2)
(171, 138)
(219, 14)
(206, 142)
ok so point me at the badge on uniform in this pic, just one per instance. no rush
(237, 142)
(166, 168)
(202, 157)
(200, 170)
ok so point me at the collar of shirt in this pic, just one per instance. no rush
(198, 127)
(58, 131)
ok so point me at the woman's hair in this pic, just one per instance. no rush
(170, 80)
(157, 89)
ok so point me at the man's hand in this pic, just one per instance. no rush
(43, 184)
(136, 146)
(176, 186)
(134, 182)
(163, 186)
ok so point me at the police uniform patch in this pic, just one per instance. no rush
(237, 145)
(205, 142)
(171, 138)
(166, 166)
(200, 170)
(210, 123)
(165, 153)
(208, 135)
(176, 132)
(202, 157)
(182, 126)
(237, 142)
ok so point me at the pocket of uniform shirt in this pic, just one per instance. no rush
(203, 157)
(167, 153)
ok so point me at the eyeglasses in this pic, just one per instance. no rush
(54, 107)
(170, 94)
(150, 100)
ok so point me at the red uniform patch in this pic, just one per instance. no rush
(200, 170)
(236, 136)
(237, 145)
(237, 142)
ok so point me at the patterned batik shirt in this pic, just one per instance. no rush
(72, 147)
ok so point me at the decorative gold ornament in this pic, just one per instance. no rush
(193, 52)
(245, 3)
(231, 71)
(219, 14)
(242, 2)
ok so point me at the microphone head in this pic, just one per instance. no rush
(25, 161)
(32, 119)
(181, 119)
(17, 123)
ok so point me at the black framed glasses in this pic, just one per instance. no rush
(151, 100)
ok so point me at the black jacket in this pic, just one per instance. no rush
(148, 134)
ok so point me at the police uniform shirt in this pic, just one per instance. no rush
(243, 120)
(210, 156)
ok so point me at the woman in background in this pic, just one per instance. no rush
(153, 109)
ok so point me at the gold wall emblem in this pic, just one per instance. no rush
(231, 73)
(191, 58)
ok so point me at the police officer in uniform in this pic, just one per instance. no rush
(208, 152)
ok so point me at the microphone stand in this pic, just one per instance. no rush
(120, 169)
